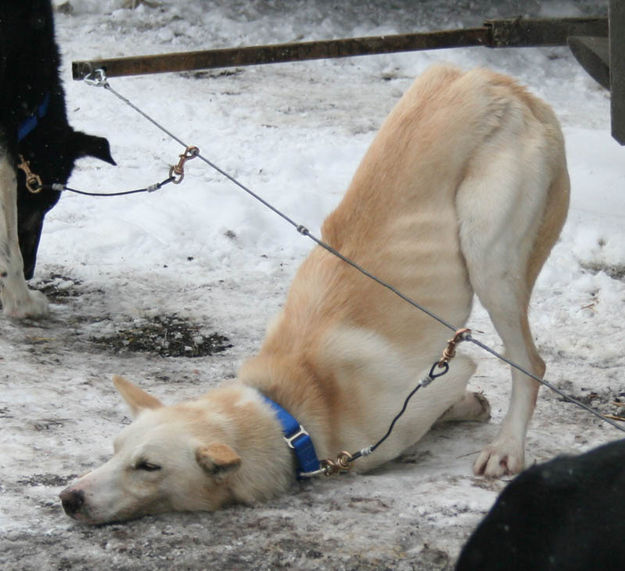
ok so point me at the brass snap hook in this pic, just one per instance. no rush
(33, 181)
(450, 351)
(176, 172)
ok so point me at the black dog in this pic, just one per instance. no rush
(34, 135)
(564, 515)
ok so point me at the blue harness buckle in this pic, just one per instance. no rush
(290, 440)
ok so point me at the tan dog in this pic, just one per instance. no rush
(464, 189)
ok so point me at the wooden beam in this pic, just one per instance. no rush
(280, 53)
(526, 33)
(495, 33)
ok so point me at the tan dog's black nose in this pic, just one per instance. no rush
(72, 500)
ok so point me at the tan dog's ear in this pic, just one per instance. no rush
(136, 398)
(218, 460)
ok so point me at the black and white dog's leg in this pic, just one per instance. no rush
(18, 301)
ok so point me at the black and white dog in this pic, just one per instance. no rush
(564, 515)
(34, 135)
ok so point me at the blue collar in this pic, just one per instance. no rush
(297, 439)
(29, 124)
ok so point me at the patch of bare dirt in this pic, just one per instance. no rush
(166, 335)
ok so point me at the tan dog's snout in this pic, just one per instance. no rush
(72, 501)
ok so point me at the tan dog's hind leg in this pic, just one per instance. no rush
(17, 300)
(511, 207)
(474, 407)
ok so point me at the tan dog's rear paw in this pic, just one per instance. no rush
(473, 407)
(484, 411)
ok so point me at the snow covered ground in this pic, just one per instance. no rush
(206, 253)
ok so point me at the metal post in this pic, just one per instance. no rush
(617, 68)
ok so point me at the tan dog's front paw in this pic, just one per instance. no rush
(502, 457)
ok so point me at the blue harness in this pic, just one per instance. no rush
(30, 123)
(297, 439)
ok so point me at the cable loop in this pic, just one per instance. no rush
(444, 365)
(97, 78)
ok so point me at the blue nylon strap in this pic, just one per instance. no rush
(29, 124)
(302, 444)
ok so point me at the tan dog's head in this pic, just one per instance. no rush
(171, 458)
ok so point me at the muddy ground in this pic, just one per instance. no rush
(413, 514)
